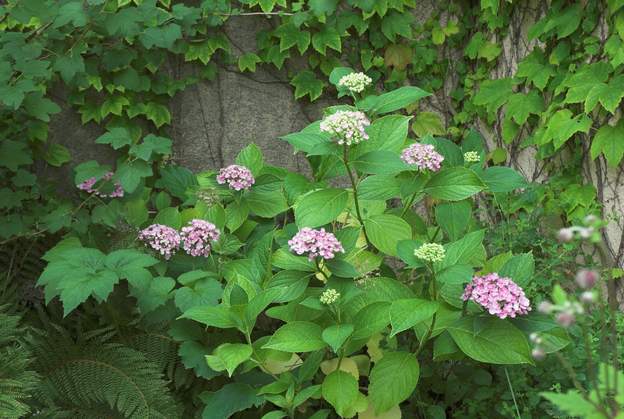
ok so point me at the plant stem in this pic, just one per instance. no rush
(410, 202)
(345, 160)
(318, 268)
(513, 395)
(434, 295)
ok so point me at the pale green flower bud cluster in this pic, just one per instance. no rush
(329, 296)
(472, 157)
(430, 252)
(355, 82)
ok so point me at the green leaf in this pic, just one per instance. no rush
(176, 180)
(608, 141)
(572, 403)
(229, 399)
(251, 158)
(381, 162)
(406, 313)
(385, 231)
(157, 113)
(290, 35)
(117, 138)
(428, 123)
(520, 268)
(320, 207)
(336, 335)
(393, 101)
(491, 340)
(609, 95)
(502, 179)
(150, 293)
(586, 78)
(206, 292)
(392, 380)
(454, 184)
(228, 356)
(214, 316)
(454, 217)
(466, 251)
(248, 61)
(306, 83)
(340, 389)
(520, 106)
(328, 37)
(395, 23)
(14, 154)
(266, 200)
(379, 187)
(371, 319)
(386, 133)
(297, 336)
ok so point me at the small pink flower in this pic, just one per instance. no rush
(316, 243)
(197, 236)
(423, 156)
(237, 177)
(500, 296)
(88, 186)
(163, 239)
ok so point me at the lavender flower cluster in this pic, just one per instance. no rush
(163, 239)
(500, 296)
(89, 187)
(195, 238)
(423, 156)
(237, 177)
(316, 243)
(349, 127)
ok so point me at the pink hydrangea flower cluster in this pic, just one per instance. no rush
(197, 236)
(88, 186)
(500, 296)
(237, 177)
(423, 156)
(315, 243)
(349, 127)
(163, 239)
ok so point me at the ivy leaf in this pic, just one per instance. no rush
(609, 95)
(114, 105)
(290, 35)
(150, 145)
(306, 83)
(161, 37)
(157, 113)
(14, 154)
(69, 65)
(130, 174)
(322, 7)
(117, 137)
(40, 107)
(608, 141)
(396, 23)
(393, 379)
(398, 56)
(584, 80)
(494, 93)
(328, 37)
(71, 12)
(535, 70)
(56, 155)
(520, 106)
(428, 123)
(562, 126)
(248, 61)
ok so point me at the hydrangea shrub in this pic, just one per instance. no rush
(312, 297)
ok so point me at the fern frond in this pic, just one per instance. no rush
(17, 382)
(96, 376)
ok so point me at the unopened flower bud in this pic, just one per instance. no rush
(586, 232)
(538, 354)
(588, 297)
(586, 278)
(566, 318)
(535, 338)
(565, 235)
(590, 219)
(545, 307)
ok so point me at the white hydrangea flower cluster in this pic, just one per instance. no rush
(430, 252)
(355, 82)
(472, 157)
(329, 296)
(349, 127)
